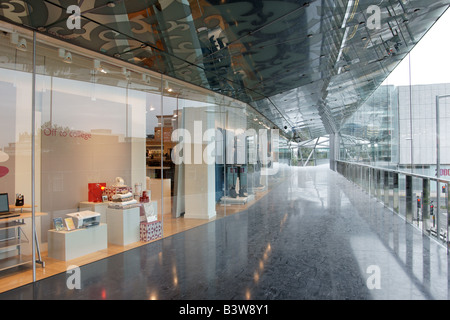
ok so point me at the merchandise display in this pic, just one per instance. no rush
(63, 245)
(119, 187)
(150, 231)
(68, 222)
(58, 224)
(234, 173)
(112, 190)
(122, 197)
(123, 200)
(149, 211)
(96, 191)
(85, 219)
(236, 180)
(145, 197)
(19, 200)
(123, 225)
(137, 190)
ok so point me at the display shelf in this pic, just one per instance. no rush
(15, 242)
(11, 243)
(14, 261)
(11, 224)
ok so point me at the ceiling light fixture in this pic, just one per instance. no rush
(126, 73)
(22, 45)
(169, 89)
(98, 67)
(65, 56)
(146, 78)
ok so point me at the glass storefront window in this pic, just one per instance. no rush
(15, 152)
(117, 143)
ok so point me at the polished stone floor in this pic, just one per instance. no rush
(315, 236)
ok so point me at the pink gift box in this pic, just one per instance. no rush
(150, 230)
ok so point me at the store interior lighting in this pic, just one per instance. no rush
(98, 67)
(66, 56)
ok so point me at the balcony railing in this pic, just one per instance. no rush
(422, 200)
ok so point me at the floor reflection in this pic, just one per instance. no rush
(315, 236)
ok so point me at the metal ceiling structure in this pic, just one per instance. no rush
(305, 65)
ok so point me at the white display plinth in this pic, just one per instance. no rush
(258, 189)
(99, 207)
(67, 245)
(237, 200)
(123, 225)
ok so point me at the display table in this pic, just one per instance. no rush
(238, 200)
(13, 207)
(67, 245)
(123, 225)
(99, 207)
(258, 189)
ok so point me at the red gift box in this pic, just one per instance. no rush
(96, 191)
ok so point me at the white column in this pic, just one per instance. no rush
(199, 175)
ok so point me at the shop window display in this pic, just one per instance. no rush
(105, 140)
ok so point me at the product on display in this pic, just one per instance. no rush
(138, 190)
(69, 224)
(118, 187)
(150, 231)
(242, 170)
(123, 205)
(85, 219)
(111, 191)
(96, 191)
(19, 200)
(149, 212)
(145, 197)
(231, 181)
(120, 182)
(122, 197)
(233, 173)
(123, 200)
(58, 223)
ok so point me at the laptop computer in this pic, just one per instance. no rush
(4, 207)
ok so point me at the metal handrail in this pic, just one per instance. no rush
(415, 175)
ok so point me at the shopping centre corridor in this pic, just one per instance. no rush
(315, 236)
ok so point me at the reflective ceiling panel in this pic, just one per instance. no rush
(305, 65)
